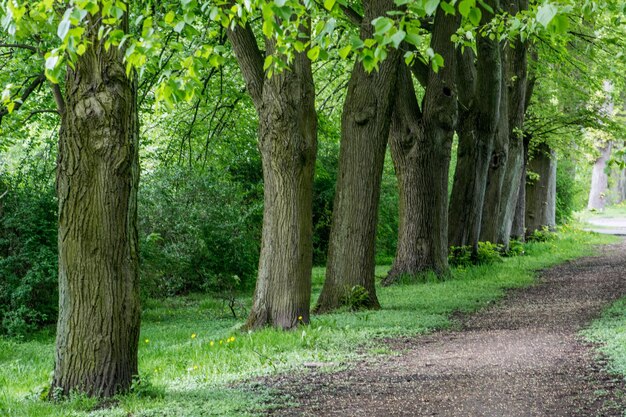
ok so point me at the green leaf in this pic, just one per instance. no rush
(397, 38)
(413, 38)
(465, 6)
(343, 52)
(179, 27)
(169, 17)
(313, 53)
(64, 25)
(268, 62)
(474, 16)
(430, 6)
(546, 13)
(329, 4)
(560, 23)
(447, 7)
(438, 60)
(382, 25)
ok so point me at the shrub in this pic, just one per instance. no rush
(197, 232)
(543, 235)
(464, 256)
(28, 258)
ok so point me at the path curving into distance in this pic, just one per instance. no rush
(521, 357)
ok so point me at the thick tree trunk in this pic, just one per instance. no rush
(599, 178)
(97, 180)
(364, 132)
(479, 96)
(420, 147)
(498, 163)
(518, 228)
(541, 193)
(285, 104)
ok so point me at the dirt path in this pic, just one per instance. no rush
(521, 357)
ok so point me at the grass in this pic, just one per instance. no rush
(191, 350)
(609, 332)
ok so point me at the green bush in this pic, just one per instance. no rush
(198, 232)
(543, 235)
(28, 257)
(568, 191)
(464, 256)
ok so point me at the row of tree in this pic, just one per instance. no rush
(470, 62)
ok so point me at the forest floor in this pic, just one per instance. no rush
(523, 356)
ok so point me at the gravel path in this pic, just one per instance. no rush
(521, 357)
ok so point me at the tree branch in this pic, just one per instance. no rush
(58, 98)
(250, 60)
(19, 45)
(40, 79)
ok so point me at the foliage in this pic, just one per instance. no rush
(198, 233)
(569, 192)
(28, 259)
(356, 298)
(541, 235)
(464, 256)
(193, 376)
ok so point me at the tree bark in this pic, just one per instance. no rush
(97, 180)
(518, 228)
(541, 193)
(285, 104)
(498, 162)
(364, 131)
(420, 147)
(599, 178)
(479, 101)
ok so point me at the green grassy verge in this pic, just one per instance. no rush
(609, 332)
(190, 349)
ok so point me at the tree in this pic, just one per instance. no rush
(285, 103)
(420, 142)
(97, 180)
(479, 100)
(364, 132)
(541, 191)
(507, 159)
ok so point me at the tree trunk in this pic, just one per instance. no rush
(516, 70)
(97, 180)
(599, 178)
(490, 220)
(420, 147)
(285, 104)
(364, 131)
(518, 228)
(479, 97)
(541, 193)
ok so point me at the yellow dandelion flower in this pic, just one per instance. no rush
(195, 367)
(299, 318)
(211, 343)
(193, 335)
(147, 340)
(232, 338)
(221, 341)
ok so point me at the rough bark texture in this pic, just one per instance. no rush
(97, 179)
(498, 162)
(285, 104)
(541, 193)
(518, 228)
(364, 132)
(420, 146)
(599, 178)
(479, 105)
